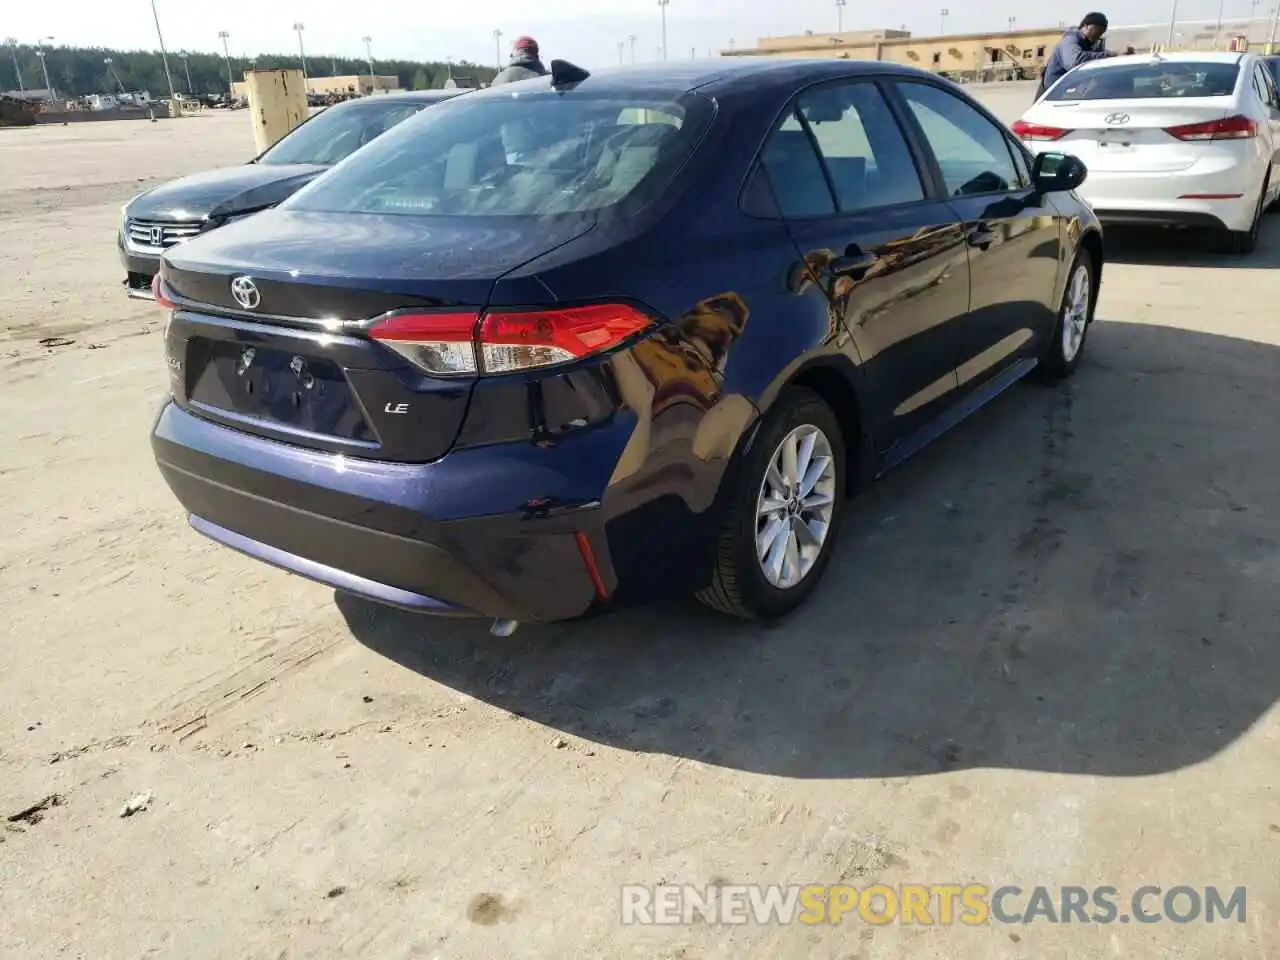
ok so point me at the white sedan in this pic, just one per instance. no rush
(1177, 139)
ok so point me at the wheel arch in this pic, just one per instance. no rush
(1091, 243)
(835, 379)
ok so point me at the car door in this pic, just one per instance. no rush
(1013, 233)
(1264, 87)
(888, 255)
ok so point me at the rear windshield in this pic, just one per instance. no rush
(339, 131)
(1157, 80)
(537, 153)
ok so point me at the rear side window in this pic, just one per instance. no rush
(529, 154)
(1156, 80)
(795, 172)
(861, 147)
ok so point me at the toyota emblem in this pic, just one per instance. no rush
(246, 292)
(1117, 119)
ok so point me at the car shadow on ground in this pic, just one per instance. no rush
(1155, 246)
(1078, 579)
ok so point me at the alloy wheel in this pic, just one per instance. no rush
(795, 505)
(1075, 314)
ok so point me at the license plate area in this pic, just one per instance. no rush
(1116, 140)
(277, 387)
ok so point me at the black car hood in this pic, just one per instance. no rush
(220, 193)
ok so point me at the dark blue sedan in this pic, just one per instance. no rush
(587, 340)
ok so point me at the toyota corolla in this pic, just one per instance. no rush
(591, 339)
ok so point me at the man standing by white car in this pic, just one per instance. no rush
(1078, 45)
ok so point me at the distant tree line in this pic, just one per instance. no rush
(79, 71)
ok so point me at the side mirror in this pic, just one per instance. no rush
(1057, 172)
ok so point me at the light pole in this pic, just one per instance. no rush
(662, 6)
(298, 28)
(632, 40)
(226, 57)
(622, 45)
(108, 61)
(840, 5)
(186, 66)
(944, 13)
(731, 43)
(497, 48)
(44, 67)
(1217, 30)
(1173, 23)
(12, 43)
(1275, 16)
(164, 56)
(1012, 21)
(368, 52)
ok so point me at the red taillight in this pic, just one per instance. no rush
(1036, 131)
(506, 341)
(440, 343)
(1232, 128)
(157, 291)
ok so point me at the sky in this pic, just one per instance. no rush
(579, 30)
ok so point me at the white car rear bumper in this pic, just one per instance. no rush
(1201, 196)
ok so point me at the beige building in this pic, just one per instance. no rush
(363, 84)
(969, 56)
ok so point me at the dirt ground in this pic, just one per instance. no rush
(1046, 654)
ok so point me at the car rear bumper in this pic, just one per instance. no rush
(399, 534)
(1173, 199)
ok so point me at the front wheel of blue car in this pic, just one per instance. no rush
(779, 526)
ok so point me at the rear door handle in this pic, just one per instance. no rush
(854, 263)
(981, 237)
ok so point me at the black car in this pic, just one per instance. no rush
(588, 340)
(154, 221)
(1272, 64)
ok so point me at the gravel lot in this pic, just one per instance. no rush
(1046, 654)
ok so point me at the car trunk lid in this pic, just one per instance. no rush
(290, 357)
(1130, 135)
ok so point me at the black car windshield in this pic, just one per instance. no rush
(527, 154)
(339, 131)
(1153, 80)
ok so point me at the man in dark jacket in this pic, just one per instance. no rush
(524, 63)
(1078, 45)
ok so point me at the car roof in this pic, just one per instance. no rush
(726, 74)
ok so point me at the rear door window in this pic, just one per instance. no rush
(541, 153)
(862, 145)
(845, 132)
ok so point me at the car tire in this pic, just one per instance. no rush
(758, 577)
(1240, 243)
(1075, 317)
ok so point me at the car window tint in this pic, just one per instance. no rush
(971, 150)
(538, 153)
(863, 146)
(1151, 80)
(338, 131)
(796, 173)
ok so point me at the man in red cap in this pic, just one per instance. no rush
(524, 63)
